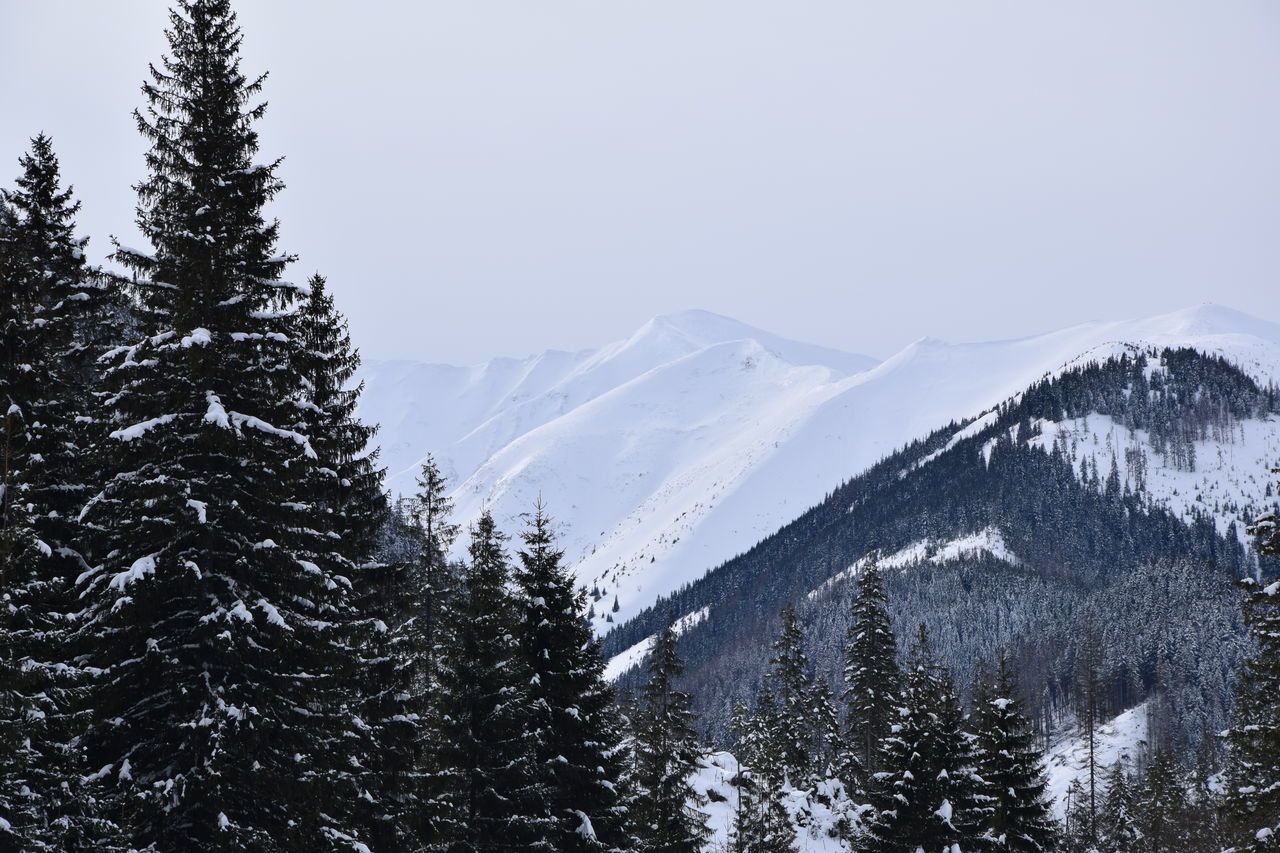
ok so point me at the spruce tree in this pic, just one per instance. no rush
(578, 734)
(346, 482)
(926, 797)
(346, 493)
(1011, 767)
(220, 613)
(760, 822)
(488, 788)
(1089, 700)
(435, 534)
(56, 313)
(871, 676)
(1117, 823)
(796, 732)
(665, 755)
(1253, 741)
(1162, 808)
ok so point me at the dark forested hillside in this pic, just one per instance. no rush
(1077, 553)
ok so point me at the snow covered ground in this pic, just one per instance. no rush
(815, 822)
(1122, 738)
(672, 451)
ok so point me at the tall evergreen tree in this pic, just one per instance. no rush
(346, 482)
(436, 533)
(1253, 741)
(56, 311)
(795, 726)
(1089, 700)
(346, 492)
(926, 797)
(1162, 808)
(1011, 769)
(220, 614)
(578, 734)
(1117, 823)
(665, 755)
(871, 676)
(490, 792)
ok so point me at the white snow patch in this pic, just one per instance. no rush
(198, 337)
(988, 541)
(139, 430)
(1121, 738)
(140, 568)
(635, 655)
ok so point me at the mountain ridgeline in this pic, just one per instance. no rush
(1002, 535)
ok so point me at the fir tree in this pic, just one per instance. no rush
(665, 755)
(1089, 708)
(794, 723)
(346, 492)
(824, 724)
(220, 615)
(56, 311)
(1162, 808)
(577, 726)
(926, 797)
(489, 791)
(760, 822)
(1253, 741)
(1117, 824)
(1011, 767)
(435, 535)
(871, 678)
(347, 483)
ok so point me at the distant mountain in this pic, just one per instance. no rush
(1104, 501)
(667, 453)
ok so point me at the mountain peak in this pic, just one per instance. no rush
(1209, 318)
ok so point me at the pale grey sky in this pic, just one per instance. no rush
(484, 178)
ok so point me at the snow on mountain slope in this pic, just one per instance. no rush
(667, 453)
(1122, 738)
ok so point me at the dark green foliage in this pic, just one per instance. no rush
(577, 726)
(760, 823)
(434, 533)
(664, 755)
(1253, 777)
(346, 495)
(927, 796)
(1117, 827)
(220, 609)
(55, 313)
(1016, 813)
(871, 676)
(1078, 831)
(1162, 806)
(346, 484)
(490, 793)
(789, 681)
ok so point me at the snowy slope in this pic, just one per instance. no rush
(669, 452)
(1123, 738)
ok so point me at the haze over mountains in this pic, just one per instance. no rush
(667, 453)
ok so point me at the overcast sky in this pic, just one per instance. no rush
(486, 178)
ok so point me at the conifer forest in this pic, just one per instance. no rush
(221, 631)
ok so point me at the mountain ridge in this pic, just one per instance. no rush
(672, 450)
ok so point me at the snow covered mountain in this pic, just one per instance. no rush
(669, 452)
